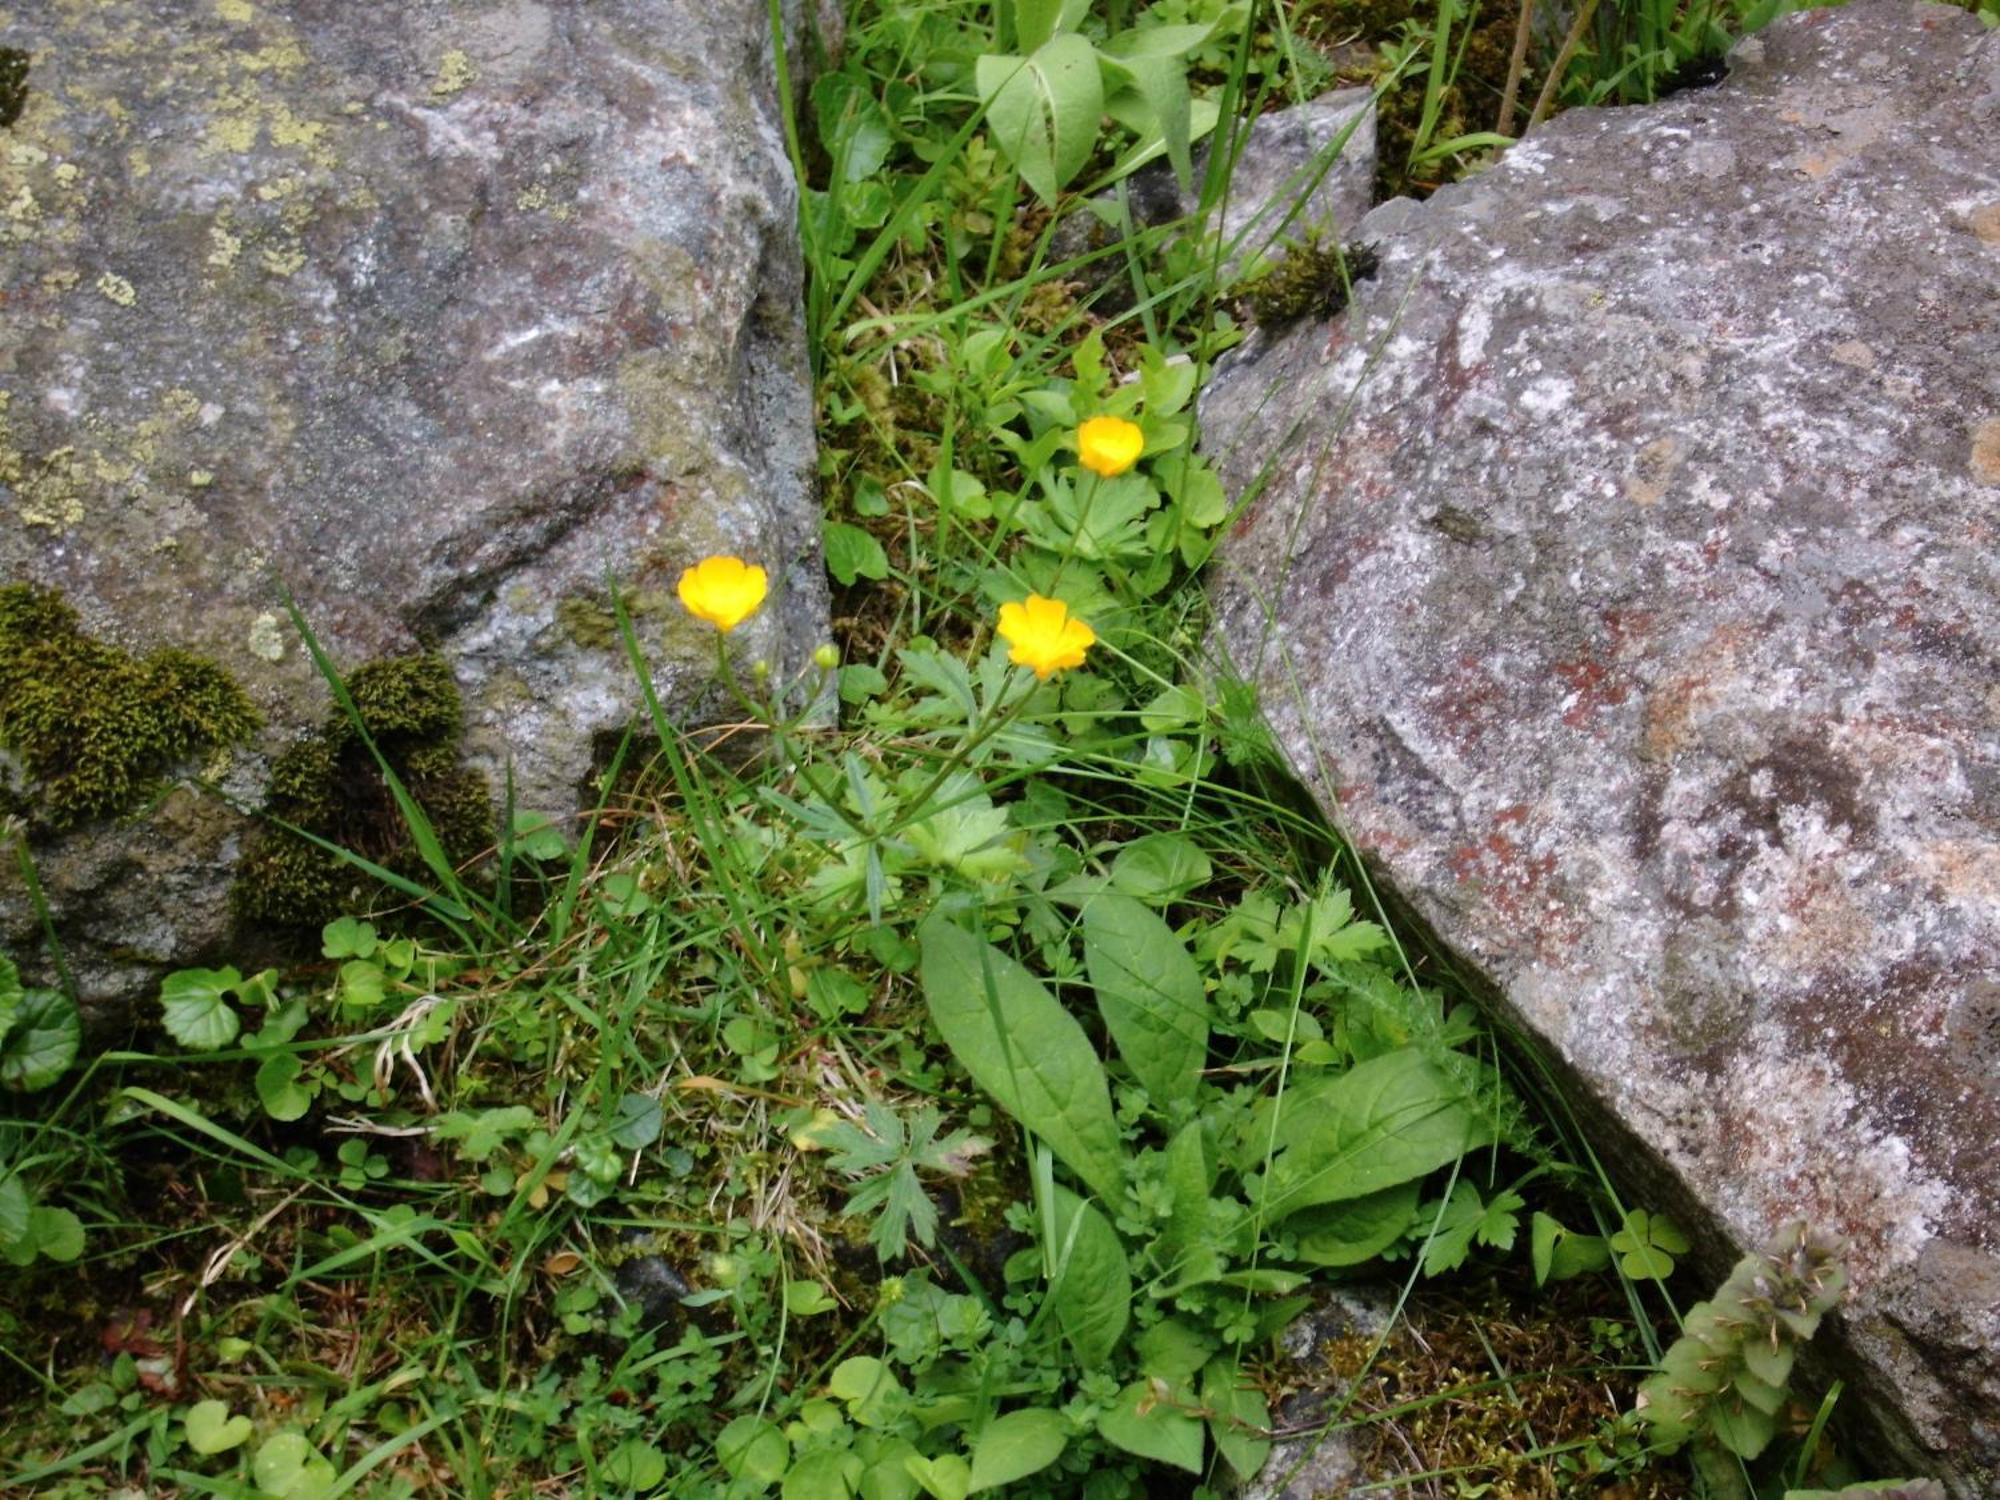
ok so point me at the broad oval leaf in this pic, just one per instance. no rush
(1241, 1418)
(1150, 994)
(1386, 1121)
(1016, 1445)
(1024, 1049)
(1091, 1292)
(1043, 111)
(41, 1042)
(1148, 1419)
(1359, 1229)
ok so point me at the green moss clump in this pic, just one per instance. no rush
(96, 727)
(330, 785)
(1315, 279)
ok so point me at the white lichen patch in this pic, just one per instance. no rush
(266, 638)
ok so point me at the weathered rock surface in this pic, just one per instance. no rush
(441, 315)
(1625, 585)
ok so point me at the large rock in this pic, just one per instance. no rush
(1625, 585)
(440, 314)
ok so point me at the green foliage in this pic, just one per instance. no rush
(40, 1032)
(1724, 1379)
(95, 727)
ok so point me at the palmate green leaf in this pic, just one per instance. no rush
(1386, 1121)
(1043, 110)
(1150, 994)
(1024, 1049)
(1091, 1294)
(1013, 1446)
(41, 1042)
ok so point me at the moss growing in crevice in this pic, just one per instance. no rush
(1315, 278)
(96, 728)
(329, 784)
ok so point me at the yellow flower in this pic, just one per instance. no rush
(725, 591)
(1044, 636)
(1109, 445)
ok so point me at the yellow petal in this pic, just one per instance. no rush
(1108, 446)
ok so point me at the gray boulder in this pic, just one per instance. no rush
(1623, 581)
(440, 315)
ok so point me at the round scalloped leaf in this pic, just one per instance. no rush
(41, 1042)
(195, 1006)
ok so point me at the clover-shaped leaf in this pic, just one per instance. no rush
(1647, 1245)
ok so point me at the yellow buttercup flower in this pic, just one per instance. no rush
(1044, 636)
(1109, 445)
(725, 591)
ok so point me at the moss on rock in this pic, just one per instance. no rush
(95, 727)
(329, 785)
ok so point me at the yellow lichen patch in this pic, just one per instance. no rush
(224, 247)
(115, 288)
(455, 75)
(286, 262)
(237, 12)
(1986, 451)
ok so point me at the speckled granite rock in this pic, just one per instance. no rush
(1625, 584)
(440, 314)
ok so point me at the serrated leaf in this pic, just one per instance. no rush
(1024, 1049)
(195, 1007)
(1148, 1421)
(1015, 1445)
(1043, 111)
(1150, 995)
(1091, 1294)
(42, 1041)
